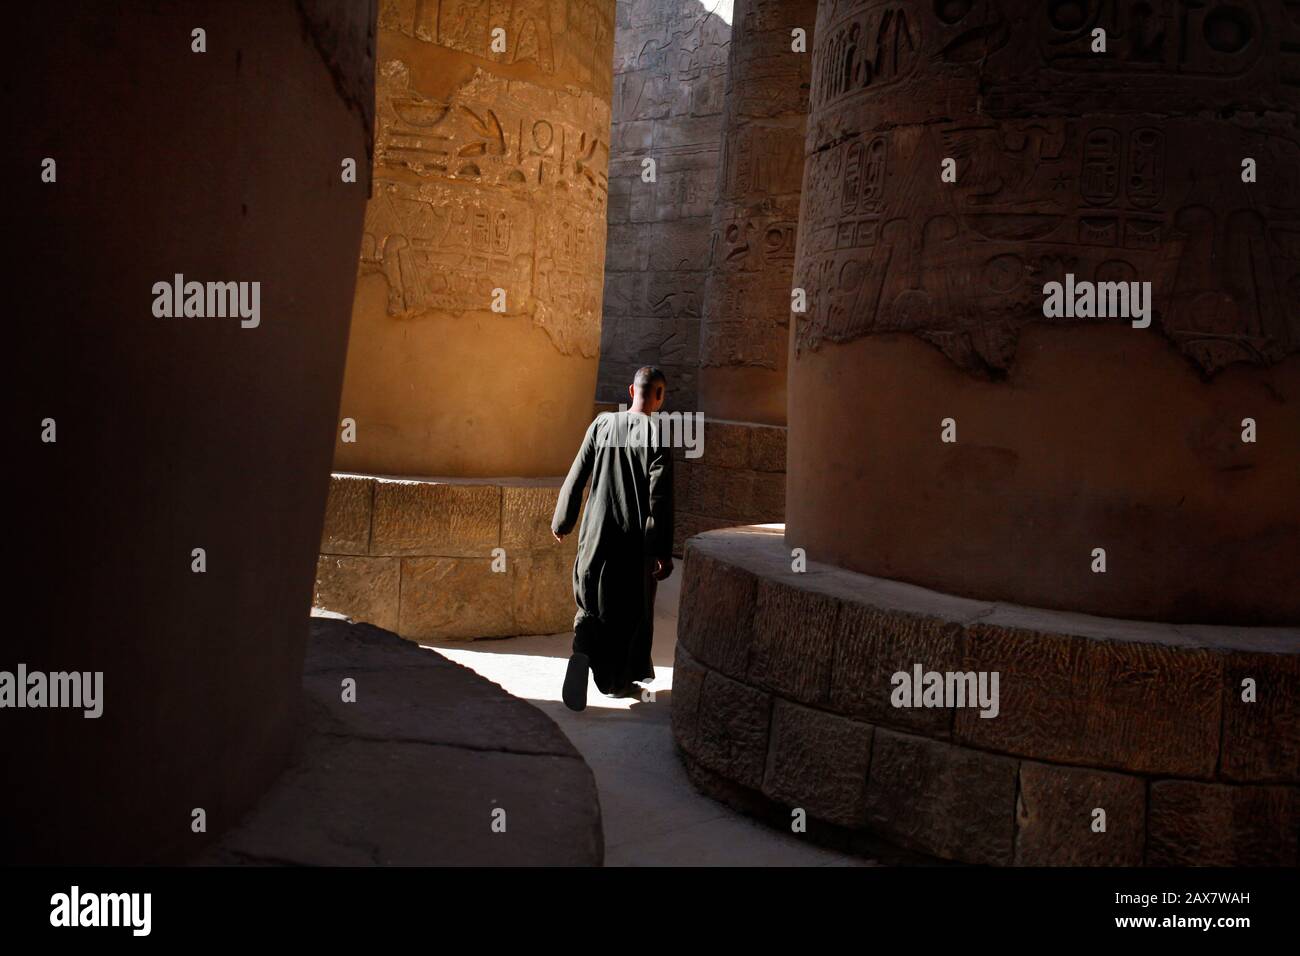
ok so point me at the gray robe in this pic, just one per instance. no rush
(627, 524)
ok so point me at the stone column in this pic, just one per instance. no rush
(171, 469)
(1166, 159)
(476, 325)
(746, 319)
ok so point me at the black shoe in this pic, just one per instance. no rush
(575, 682)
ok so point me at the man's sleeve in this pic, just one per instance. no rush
(659, 529)
(569, 506)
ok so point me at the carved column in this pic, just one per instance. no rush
(476, 326)
(745, 330)
(1128, 164)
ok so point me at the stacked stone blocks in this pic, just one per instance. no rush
(416, 556)
(782, 688)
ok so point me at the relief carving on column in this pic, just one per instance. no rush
(1100, 188)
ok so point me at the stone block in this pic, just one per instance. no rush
(1055, 817)
(455, 598)
(543, 591)
(767, 448)
(1116, 704)
(347, 515)
(726, 444)
(794, 630)
(436, 518)
(1261, 740)
(872, 644)
(363, 588)
(945, 800)
(526, 513)
(767, 503)
(732, 730)
(679, 245)
(681, 480)
(707, 489)
(1210, 824)
(716, 613)
(688, 684)
(819, 762)
(737, 495)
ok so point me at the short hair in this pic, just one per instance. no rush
(646, 377)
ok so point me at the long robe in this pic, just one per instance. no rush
(626, 525)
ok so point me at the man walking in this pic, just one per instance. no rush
(624, 543)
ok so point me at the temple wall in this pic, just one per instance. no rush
(670, 68)
(746, 315)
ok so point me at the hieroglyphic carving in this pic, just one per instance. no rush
(1204, 38)
(1043, 189)
(1113, 199)
(504, 185)
(670, 68)
(747, 297)
(869, 45)
(571, 39)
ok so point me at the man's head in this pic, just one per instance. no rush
(648, 390)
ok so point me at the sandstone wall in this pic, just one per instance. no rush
(491, 173)
(670, 76)
(926, 303)
(746, 321)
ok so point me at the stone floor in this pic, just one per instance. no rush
(429, 764)
(651, 814)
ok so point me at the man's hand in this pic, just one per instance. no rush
(663, 568)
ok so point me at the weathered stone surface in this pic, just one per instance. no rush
(746, 315)
(1116, 704)
(1055, 817)
(1200, 824)
(347, 515)
(365, 589)
(670, 64)
(716, 612)
(708, 488)
(870, 645)
(1261, 740)
(436, 518)
(732, 729)
(543, 592)
(955, 803)
(455, 597)
(767, 448)
(726, 444)
(688, 687)
(794, 630)
(425, 740)
(1096, 188)
(767, 502)
(738, 495)
(526, 512)
(1070, 167)
(819, 761)
(484, 238)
